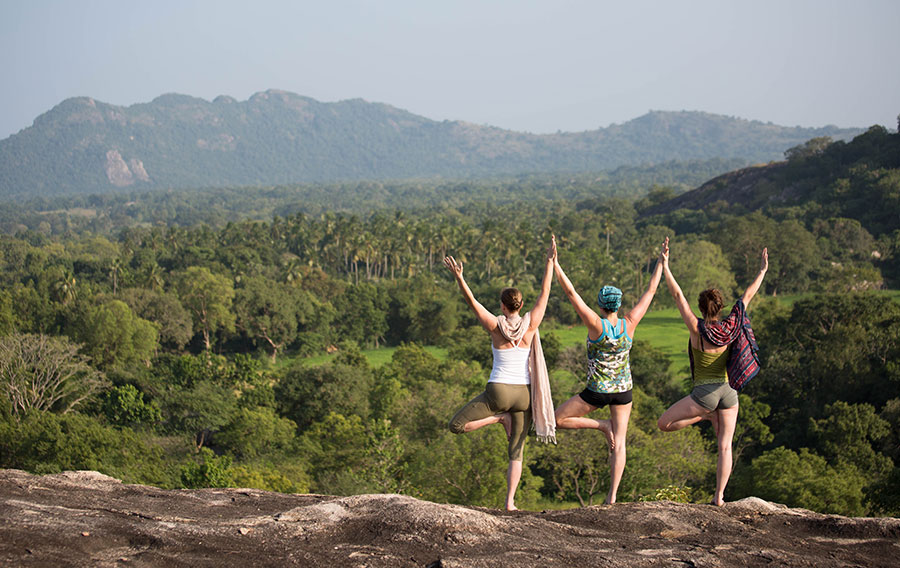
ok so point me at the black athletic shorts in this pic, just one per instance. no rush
(600, 399)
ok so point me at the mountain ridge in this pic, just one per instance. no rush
(83, 145)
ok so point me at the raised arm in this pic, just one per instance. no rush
(690, 320)
(540, 306)
(636, 314)
(487, 320)
(587, 315)
(757, 282)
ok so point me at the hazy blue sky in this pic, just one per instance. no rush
(518, 64)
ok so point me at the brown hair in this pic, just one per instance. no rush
(511, 298)
(711, 303)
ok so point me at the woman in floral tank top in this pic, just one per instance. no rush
(609, 367)
(609, 359)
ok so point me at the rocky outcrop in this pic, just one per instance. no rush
(88, 519)
(119, 174)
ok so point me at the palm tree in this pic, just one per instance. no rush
(153, 277)
(609, 224)
(64, 288)
(115, 267)
(293, 271)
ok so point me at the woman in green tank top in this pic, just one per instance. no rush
(711, 398)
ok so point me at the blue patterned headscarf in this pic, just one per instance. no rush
(610, 298)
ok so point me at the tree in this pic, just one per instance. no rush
(209, 470)
(308, 394)
(742, 239)
(115, 271)
(125, 406)
(699, 265)
(44, 373)
(8, 319)
(852, 336)
(114, 337)
(471, 344)
(208, 297)
(805, 480)
(363, 308)
(810, 148)
(253, 432)
(64, 289)
(796, 258)
(384, 468)
(45, 442)
(163, 309)
(199, 410)
(267, 312)
(848, 433)
(335, 446)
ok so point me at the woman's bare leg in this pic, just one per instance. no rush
(714, 420)
(570, 416)
(619, 413)
(727, 420)
(682, 414)
(513, 475)
(476, 424)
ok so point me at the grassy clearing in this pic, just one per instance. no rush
(377, 357)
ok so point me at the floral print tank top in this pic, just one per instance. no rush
(609, 362)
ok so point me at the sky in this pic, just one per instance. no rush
(535, 66)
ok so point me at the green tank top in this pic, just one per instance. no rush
(710, 368)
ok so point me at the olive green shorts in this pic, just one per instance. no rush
(498, 398)
(715, 396)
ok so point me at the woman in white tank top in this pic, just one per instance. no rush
(511, 366)
(507, 397)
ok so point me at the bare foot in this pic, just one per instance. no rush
(718, 502)
(505, 420)
(512, 508)
(606, 427)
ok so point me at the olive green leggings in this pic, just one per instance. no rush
(498, 398)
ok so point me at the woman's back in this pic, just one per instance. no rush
(609, 361)
(709, 366)
(511, 366)
(501, 342)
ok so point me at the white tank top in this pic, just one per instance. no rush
(511, 366)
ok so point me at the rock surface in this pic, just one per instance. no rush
(87, 519)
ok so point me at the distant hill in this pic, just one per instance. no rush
(86, 146)
(859, 180)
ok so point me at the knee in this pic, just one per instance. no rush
(663, 425)
(456, 427)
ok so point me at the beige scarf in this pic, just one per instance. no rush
(513, 328)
